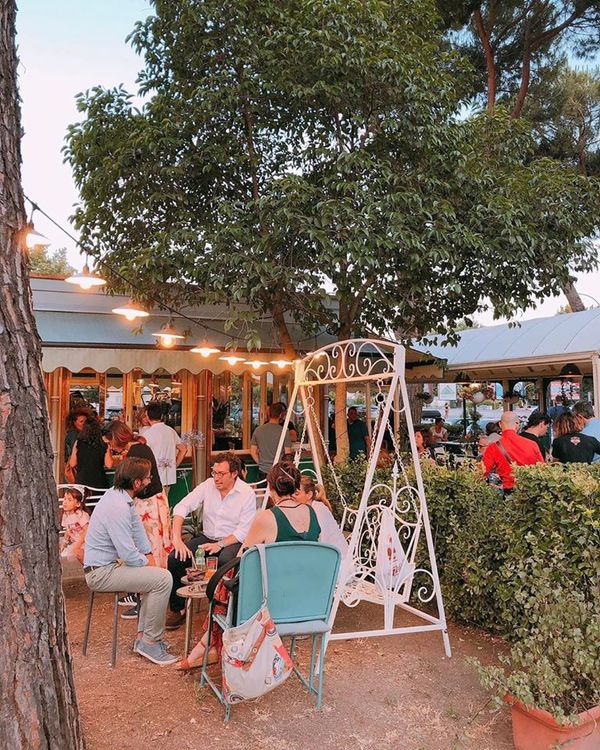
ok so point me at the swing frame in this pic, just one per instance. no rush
(381, 363)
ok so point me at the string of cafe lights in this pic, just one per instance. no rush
(169, 334)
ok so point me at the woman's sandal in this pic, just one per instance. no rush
(186, 666)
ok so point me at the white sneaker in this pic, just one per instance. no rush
(129, 600)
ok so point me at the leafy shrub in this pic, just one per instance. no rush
(556, 665)
(493, 551)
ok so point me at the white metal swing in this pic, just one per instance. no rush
(382, 565)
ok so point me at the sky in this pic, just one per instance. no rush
(68, 46)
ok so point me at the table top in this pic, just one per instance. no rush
(196, 590)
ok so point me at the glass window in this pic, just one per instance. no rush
(227, 412)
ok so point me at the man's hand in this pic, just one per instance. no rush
(182, 551)
(213, 548)
(151, 560)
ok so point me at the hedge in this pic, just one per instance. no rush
(495, 553)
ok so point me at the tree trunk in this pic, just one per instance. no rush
(38, 707)
(524, 87)
(341, 424)
(488, 53)
(573, 297)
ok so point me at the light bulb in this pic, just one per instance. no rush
(167, 341)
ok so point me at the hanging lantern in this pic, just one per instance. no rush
(168, 335)
(205, 349)
(86, 279)
(131, 311)
(232, 359)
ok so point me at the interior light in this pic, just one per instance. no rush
(570, 370)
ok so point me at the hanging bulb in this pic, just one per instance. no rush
(35, 239)
(168, 335)
(131, 311)
(205, 349)
(281, 363)
(86, 279)
(255, 363)
(232, 359)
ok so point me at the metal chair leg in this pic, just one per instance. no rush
(321, 672)
(115, 631)
(311, 674)
(206, 650)
(292, 647)
(88, 621)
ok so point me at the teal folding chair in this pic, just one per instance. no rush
(302, 579)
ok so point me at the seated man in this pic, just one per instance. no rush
(228, 508)
(118, 557)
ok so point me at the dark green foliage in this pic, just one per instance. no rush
(494, 553)
(291, 148)
(556, 666)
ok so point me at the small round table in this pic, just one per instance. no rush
(192, 592)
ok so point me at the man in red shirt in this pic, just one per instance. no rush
(510, 449)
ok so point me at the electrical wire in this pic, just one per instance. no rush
(161, 305)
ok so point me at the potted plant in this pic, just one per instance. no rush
(553, 681)
(425, 397)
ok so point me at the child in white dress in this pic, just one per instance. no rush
(75, 520)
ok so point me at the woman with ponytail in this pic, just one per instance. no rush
(313, 494)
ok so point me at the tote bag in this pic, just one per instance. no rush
(254, 659)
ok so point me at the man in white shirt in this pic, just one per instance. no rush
(228, 508)
(166, 445)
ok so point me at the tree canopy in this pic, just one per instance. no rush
(291, 150)
(47, 263)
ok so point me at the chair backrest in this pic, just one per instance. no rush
(302, 578)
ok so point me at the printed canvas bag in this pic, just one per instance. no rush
(254, 659)
(391, 567)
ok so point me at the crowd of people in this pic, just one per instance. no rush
(131, 544)
(559, 435)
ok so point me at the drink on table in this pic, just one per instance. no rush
(211, 567)
(200, 559)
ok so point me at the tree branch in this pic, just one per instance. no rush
(489, 59)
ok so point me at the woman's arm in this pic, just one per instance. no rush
(73, 457)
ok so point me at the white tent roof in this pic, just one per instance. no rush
(572, 337)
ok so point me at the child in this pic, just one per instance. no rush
(75, 519)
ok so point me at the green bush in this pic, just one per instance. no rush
(556, 666)
(492, 552)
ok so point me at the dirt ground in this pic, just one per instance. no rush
(395, 692)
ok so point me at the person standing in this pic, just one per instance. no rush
(358, 434)
(166, 445)
(118, 557)
(571, 446)
(500, 456)
(559, 408)
(592, 423)
(265, 441)
(88, 456)
(536, 428)
(228, 508)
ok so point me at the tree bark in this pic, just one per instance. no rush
(490, 65)
(38, 706)
(573, 298)
(524, 87)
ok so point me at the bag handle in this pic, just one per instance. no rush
(263, 571)
(504, 452)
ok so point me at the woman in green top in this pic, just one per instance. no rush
(288, 520)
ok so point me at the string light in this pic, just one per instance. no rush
(205, 349)
(131, 311)
(232, 359)
(255, 363)
(35, 239)
(281, 363)
(168, 335)
(86, 279)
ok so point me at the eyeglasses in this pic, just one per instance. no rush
(147, 479)
(219, 473)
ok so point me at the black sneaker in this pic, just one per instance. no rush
(130, 614)
(129, 600)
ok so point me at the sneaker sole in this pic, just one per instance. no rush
(159, 662)
(127, 604)
(129, 617)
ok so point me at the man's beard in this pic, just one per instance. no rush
(140, 491)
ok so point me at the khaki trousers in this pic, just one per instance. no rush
(153, 583)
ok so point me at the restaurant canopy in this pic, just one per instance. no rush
(532, 349)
